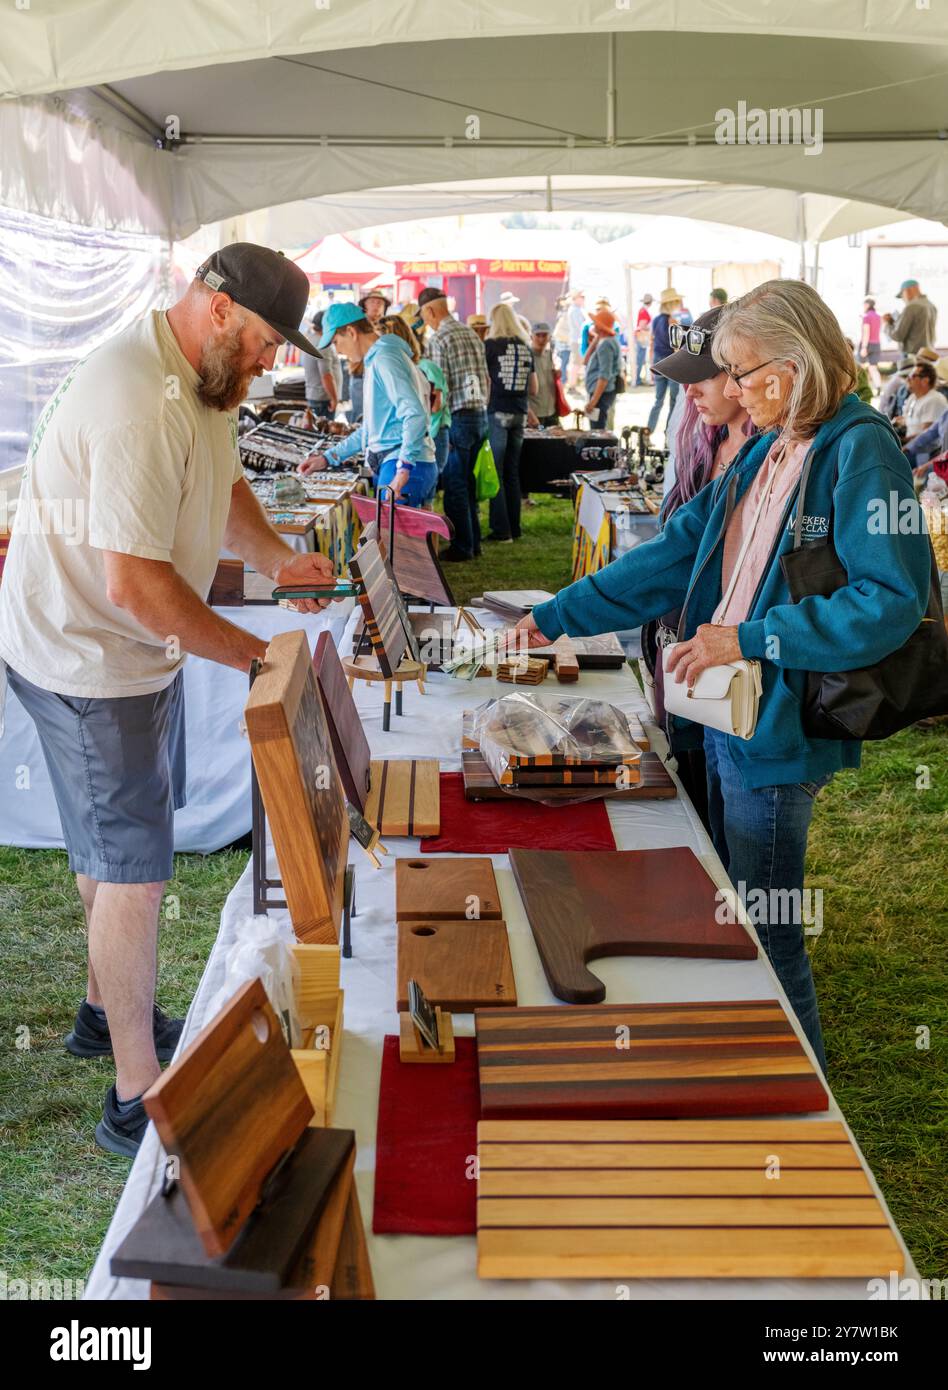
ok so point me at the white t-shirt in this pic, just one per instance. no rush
(921, 411)
(126, 458)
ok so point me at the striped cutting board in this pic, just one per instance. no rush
(677, 1199)
(628, 1061)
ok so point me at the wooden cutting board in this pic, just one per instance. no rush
(351, 1277)
(677, 1199)
(228, 1109)
(303, 795)
(349, 743)
(641, 902)
(386, 618)
(443, 889)
(405, 796)
(630, 1061)
(398, 796)
(459, 965)
(655, 782)
(603, 653)
(164, 1246)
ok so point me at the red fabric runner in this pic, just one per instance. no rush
(427, 1145)
(493, 827)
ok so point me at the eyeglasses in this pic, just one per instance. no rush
(691, 339)
(738, 377)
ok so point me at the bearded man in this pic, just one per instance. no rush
(141, 439)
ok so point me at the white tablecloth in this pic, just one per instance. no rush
(440, 1267)
(218, 785)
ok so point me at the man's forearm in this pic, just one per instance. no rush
(170, 609)
(250, 536)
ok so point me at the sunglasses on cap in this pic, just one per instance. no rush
(690, 339)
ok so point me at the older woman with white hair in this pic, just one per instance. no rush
(719, 559)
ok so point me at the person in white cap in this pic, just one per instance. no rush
(510, 299)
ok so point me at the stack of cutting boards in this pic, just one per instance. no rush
(646, 779)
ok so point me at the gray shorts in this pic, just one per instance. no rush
(118, 773)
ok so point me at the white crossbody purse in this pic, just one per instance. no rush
(725, 697)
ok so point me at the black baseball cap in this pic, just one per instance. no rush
(263, 281)
(688, 367)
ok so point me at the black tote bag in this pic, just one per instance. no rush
(874, 702)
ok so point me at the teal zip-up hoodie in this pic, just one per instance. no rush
(889, 570)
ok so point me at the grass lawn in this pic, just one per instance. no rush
(877, 850)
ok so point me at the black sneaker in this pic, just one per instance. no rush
(91, 1038)
(121, 1134)
(452, 555)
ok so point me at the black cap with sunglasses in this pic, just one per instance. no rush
(692, 360)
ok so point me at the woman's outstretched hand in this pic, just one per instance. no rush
(525, 635)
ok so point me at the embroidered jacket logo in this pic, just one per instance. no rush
(812, 527)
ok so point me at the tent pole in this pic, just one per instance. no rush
(611, 91)
(801, 233)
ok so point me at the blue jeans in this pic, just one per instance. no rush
(356, 388)
(605, 403)
(441, 448)
(662, 384)
(506, 442)
(641, 357)
(562, 358)
(760, 835)
(422, 481)
(468, 432)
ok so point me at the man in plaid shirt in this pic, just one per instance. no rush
(459, 353)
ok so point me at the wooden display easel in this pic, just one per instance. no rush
(366, 668)
(412, 1047)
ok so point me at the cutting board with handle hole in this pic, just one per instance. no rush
(460, 965)
(442, 889)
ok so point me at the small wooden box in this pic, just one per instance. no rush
(320, 1003)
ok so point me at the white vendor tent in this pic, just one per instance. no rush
(160, 118)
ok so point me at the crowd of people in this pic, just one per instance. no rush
(427, 391)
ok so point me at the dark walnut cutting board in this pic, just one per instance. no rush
(631, 1061)
(648, 902)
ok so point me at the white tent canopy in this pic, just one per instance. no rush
(775, 211)
(195, 111)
